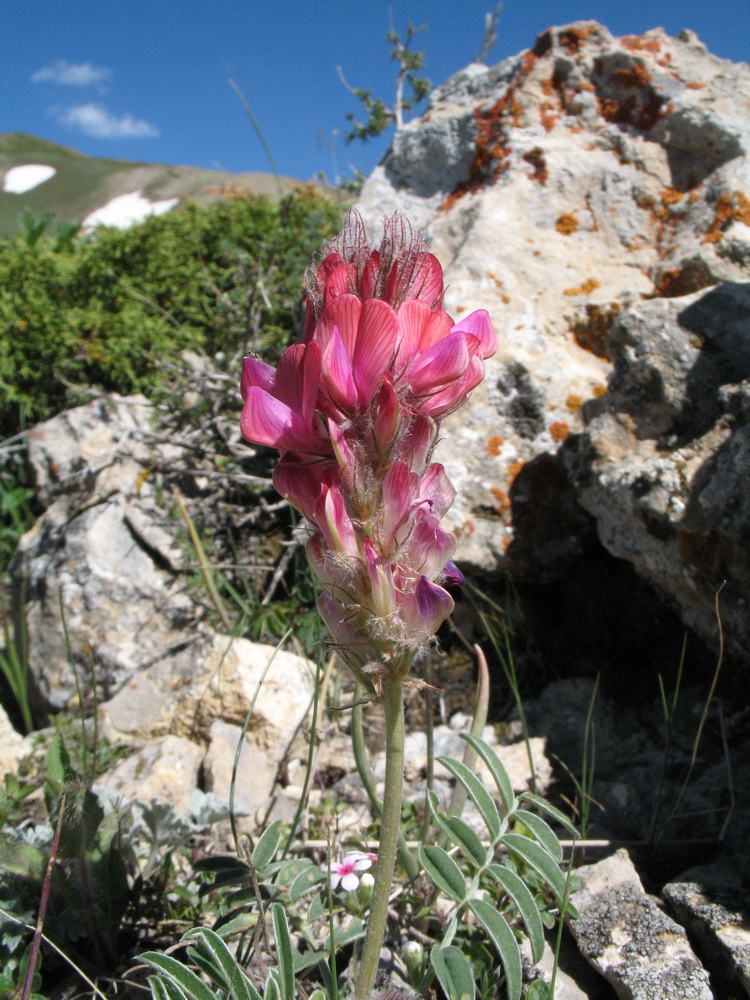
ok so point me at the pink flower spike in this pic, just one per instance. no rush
(480, 326)
(443, 362)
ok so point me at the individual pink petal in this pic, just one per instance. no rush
(266, 420)
(425, 607)
(342, 313)
(452, 575)
(415, 445)
(400, 489)
(332, 518)
(339, 280)
(437, 328)
(375, 346)
(442, 363)
(258, 373)
(429, 285)
(386, 417)
(337, 372)
(479, 325)
(298, 378)
(429, 546)
(349, 882)
(413, 316)
(437, 489)
(299, 483)
(447, 399)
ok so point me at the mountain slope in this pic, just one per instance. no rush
(82, 184)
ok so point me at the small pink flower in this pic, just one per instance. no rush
(345, 875)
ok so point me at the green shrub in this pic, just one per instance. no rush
(106, 310)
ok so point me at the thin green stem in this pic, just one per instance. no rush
(368, 783)
(392, 701)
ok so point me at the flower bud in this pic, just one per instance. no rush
(413, 959)
(364, 890)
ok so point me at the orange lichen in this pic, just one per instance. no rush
(505, 298)
(492, 144)
(599, 391)
(559, 431)
(572, 38)
(513, 469)
(670, 197)
(573, 403)
(636, 76)
(547, 88)
(730, 207)
(495, 444)
(548, 119)
(591, 332)
(503, 502)
(640, 43)
(695, 85)
(567, 223)
(586, 288)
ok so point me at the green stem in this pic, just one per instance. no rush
(392, 701)
(368, 783)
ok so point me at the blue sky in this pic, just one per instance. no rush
(148, 79)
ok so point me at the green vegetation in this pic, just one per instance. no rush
(108, 310)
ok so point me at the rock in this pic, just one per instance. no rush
(216, 678)
(664, 459)
(100, 556)
(641, 951)
(579, 191)
(256, 771)
(713, 902)
(165, 770)
(12, 746)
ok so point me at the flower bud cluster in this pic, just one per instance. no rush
(354, 411)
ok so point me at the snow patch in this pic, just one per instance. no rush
(19, 180)
(127, 209)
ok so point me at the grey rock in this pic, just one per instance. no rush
(256, 771)
(580, 191)
(166, 770)
(641, 951)
(713, 902)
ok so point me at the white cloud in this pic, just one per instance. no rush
(71, 74)
(97, 121)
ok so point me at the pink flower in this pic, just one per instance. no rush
(354, 411)
(345, 874)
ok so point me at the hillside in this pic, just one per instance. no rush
(84, 184)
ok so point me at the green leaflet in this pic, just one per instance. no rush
(454, 973)
(507, 947)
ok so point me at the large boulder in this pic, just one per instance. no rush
(593, 193)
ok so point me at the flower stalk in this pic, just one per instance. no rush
(354, 410)
(393, 710)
